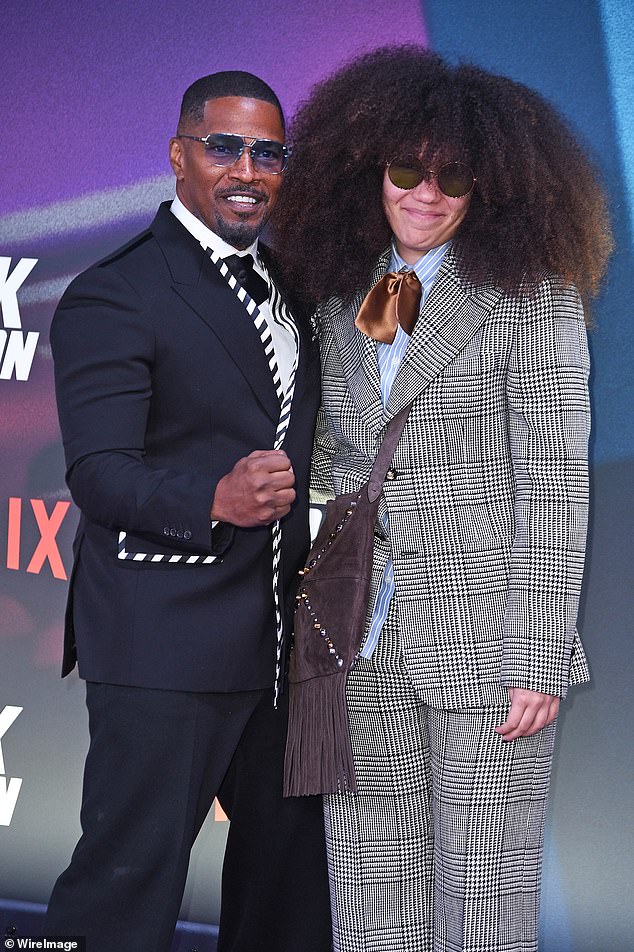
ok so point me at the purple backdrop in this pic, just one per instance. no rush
(91, 96)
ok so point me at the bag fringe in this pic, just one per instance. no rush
(318, 747)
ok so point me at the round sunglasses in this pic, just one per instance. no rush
(454, 178)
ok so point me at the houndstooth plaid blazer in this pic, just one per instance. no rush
(488, 504)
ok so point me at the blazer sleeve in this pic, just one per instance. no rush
(324, 443)
(103, 348)
(549, 426)
(321, 484)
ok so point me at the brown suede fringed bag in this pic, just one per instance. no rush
(330, 617)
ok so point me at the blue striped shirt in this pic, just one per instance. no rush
(389, 358)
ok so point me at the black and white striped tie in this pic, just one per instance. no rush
(281, 315)
(242, 268)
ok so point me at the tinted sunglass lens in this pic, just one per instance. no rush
(223, 149)
(404, 173)
(455, 179)
(268, 156)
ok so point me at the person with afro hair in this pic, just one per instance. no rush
(449, 230)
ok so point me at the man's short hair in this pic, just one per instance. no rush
(231, 82)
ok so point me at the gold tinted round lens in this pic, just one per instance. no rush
(404, 173)
(455, 179)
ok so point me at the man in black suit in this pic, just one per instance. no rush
(187, 401)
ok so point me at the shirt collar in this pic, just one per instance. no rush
(427, 266)
(207, 237)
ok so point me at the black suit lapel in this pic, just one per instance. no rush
(205, 292)
(308, 350)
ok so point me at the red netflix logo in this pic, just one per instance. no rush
(48, 526)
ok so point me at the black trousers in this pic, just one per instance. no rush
(156, 761)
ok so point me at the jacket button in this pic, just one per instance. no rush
(173, 532)
(391, 474)
(187, 534)
(166, 530)
(179, 534)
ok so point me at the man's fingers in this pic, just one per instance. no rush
(257, 491)
(273, 488)
(276, 507)
(271, 460)
(283, 499)
(266, 470)
(281, 480)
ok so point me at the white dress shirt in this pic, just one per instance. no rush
(283, 341)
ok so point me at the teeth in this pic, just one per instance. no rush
(242, 199)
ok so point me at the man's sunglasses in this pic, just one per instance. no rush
(225, 148)
(454, 179)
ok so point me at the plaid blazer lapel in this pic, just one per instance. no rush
(358, 354)
(451, 315)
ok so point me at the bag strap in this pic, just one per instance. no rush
(386, 452)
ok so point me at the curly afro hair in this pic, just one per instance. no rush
(537, 207)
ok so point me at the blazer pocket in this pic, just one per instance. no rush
(456, 392)
(471, 386)
(133, 549)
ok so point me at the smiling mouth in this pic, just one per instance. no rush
(244, 202)
(423, 217)
(423, 211)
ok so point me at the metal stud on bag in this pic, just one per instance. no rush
(302, 597)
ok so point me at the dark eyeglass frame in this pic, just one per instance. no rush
(250, 144)
(412, 163)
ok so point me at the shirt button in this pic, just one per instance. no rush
(391, 474)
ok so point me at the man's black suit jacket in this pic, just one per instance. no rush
(162, 385)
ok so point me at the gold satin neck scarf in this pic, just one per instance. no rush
(394, 300)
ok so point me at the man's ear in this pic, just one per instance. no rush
(177, 158)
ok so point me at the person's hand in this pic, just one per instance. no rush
(530, 711)
(257, 491)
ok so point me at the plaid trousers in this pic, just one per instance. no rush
(441, 849)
